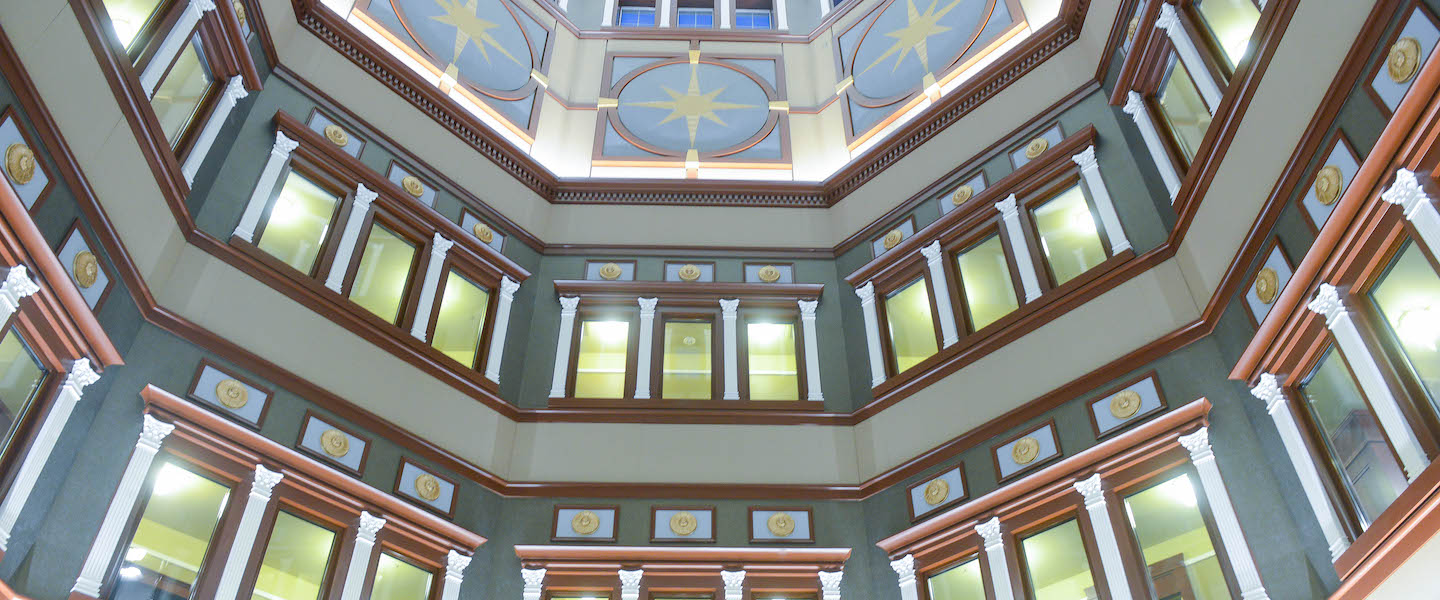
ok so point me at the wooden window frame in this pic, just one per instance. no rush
(300, 504)
(1051, 189)
(953, 248)
(657, 351)
(401, 546)
(606, 312)
(621, 5)
(27, 421)
(1057, 512)
(1206, 41)
(1155, 77)
(410, 295)
(324, 180)
(987, 580)
(1422, 406)
(911, 275)
(469, 270)
(208, 36)
(742, 360)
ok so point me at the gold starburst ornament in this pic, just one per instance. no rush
(232, 394)
(1025, 451)
(936, 492)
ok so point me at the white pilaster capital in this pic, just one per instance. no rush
(18, 285)
(1092, 490)
(647, 306)
(931, 251)
(728, 308)
(455, 564)
(630, 579)
(807, 308)
(369, 526)
(203, 6)
(1009, 207)
(235, 89)
(1169, 20)
(1407, 193)
(904, 567)
(1086, 158)
(830, 580)
(1134, 104)
(363, 197)
(568, 304)
(440, 246)
(1268, 391)
(533, 577)
(990, 531)
(733, 579)
(265, 481)
(1327, 302)
(80, 375)
(866, 292)
(154, 432)
(508, 287)
(283, 146)
(1198, 444)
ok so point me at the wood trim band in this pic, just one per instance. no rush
(828, 557)
(1392, 539)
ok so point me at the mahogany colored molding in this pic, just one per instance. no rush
(9, 594)
(1411, 521)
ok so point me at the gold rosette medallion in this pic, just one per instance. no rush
(232, 394)
(610, 271)
(1327, 185)
(427, 487)
(483, 232)
(1125, 404)
(689, 273)
(962, 194)
(585, 522)
(683, 523)
(1267, 285)
(412, 186)
(335, 443)
(86, 267)
(769, 274)
(781, 524)
(936, 492)
(1025, 451)
(20, 163)
(1036, 147)
(1404, 59)
(893, 238)
(337, 136)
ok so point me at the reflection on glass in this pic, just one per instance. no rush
(1231, 22)
(1184, 110)
(770, 350)
(1409, 298)
(912, 331)
(685, 368)
(383, 274)
(1057, 565)
(298, 223)
(1353, 436)
(985, 276)
(1069, 236)
(164, 557)
(461, 319)
(600, 365)
(297, 558)
(695, 17)
(396, 579)
(636, 16)
(1176, 544)
(181, 91)
(958, 583)
(20, 375)
(129, 17)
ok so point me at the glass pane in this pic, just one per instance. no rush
(695, 18)
(164, 557)
(461, 319)
(1409, 298)
(685, 370)
(1231, 22)
(1184, 110)
(985, 275)
(396, 579)
(604, 353)
(20, 376)
(298, 223)
(959, 583)
(1069, 236)
(383, 273)
(128, 17)
(181, 91)
(771, 361)
(1175, 542)
(1353, 435)
(297, 558)
(752, 19)
(1057, 565)
(912, 331)
(637, 16)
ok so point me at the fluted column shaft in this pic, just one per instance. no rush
(728, 314)
(1242, 564)
(501, 328)
(933, 261)
(646, 342)
(359, 208)
(562, 346)
(80, 376)
(1136, 108)
(812, 350)
(261, 486)
(260, 196)
(1010, 211)
(872, 332)
(439, 247)
(234, 91)
(1295, 447)
(107, 540)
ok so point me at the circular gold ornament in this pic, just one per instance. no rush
(689, 273)
(1404, 59)
(585, 522)
(413, 186)
(683, 523)
(936, 492)
(427, 487)
(961, 194)
(20, 163)
(335, 443)
(1130, 29)
(86, 267)
(232, 394)
(1036, 147)
(610, 271)
(893, 238)
(1125, 404)
(1267, 285)
(337, 136)
(1327, 185)
(240, 12)
(483, 232)
(1025, 451)
(781, 524)
(769, 274)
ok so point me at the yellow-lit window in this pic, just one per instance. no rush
(1069, 237)
(1352, 434)
(1231, 23)
(985, 278)
(1408, 295)
(460, 319)
(912, 330)
(20, 376)
(182, 91)
(130, 17)
(771, 362)
(1183, 109)
(168, 549)
(297, 559)
(298, 223)
(384, 273)
(1179, 554)
(961, 582)
(396, 579)
(1056, 565)
(687, 360)
(603, 357)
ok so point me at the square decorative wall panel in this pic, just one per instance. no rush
(333, 444)
(1027, 451)
(1034, 147)
(1131, 403)
(338, 134)
(610, 270)
(962, 193)
(482, 231)
(1329, 181)
(895, 235)
(1267, 282)
(417, 188)
(24, 170)
(1408, 50)
(692, 524)
(229, 394)
(690, 271)
(426, 487)
(781, 525)
(938, 493)
(585, 523)
(769, 273)
(77, 254)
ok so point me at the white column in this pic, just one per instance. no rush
(455, 564)
(234, 91)
(734, 584)
(80, 376)
(279, 153)
(1010, 210)
(872, 332)
(664, 8)
(121, 505)
(941, 290)
(501, 328)
(1169, 20)
(904, 568)
(1105, 540)
(723, 8)
(359, 207)
(1090, 172)
(782, 17)
(1136, 108)
(630, 584)
(830, 581)
(646, 341)
(17, 285)
(608, 18)
(732, 353)
(825, 8)
(562, 347)
(812, 350)
(173, 43)
(1367, 373)
(534, 583)
(360, 555)
(239, 557)
(1000, 581)
(439, 246)
(1418, 206)
(1268, 391)
(564, 5)
(1241, 563)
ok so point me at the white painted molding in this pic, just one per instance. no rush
(830, 581)
(1010, 211)
(496, 353)
(234, 91)
(904, 568)
(723, 9)
(79, 377)
(439, 247)
(872, 332)
(812, 350)
(825, 7)
(782, 15)
(359, 208)
(1105, 537)
(608, 18)
(1000, 582)
(1109, 219)
(732, 354)
(279, 154)
(360, 555)
(173, 43)
(562, 347)
(1329, 303)
(534, 583)
(664, 9)
(17, 285)
(261, 486)
(1418, 206)
(734, 584)
(1169, 20)
(941, 292)
(1136, 108)
(564, 5)
(645, 343)
(107, 540)
(1242, 564)
(630, 584)
(455, 565)
(1269, 393)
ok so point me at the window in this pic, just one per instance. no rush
(1230, 24)
(460, 319)
(1408, 296)
(750, 18)
(297, 560)
(1183, 109)
(687, 360)
(397, 579)
(20, 376)
(176, 528)
(1055, 564)
(1350, 432)
(989, 292)
(179, 95)
(1179, 553)
(298, 222)
(695, 17)
(962, 582)
(1069, 236)
(637, 16)
(771, 365)
(602, 359)
(130, 17)
(383, 274)
(912, 329)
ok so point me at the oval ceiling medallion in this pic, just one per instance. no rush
(611, 271)
(962, 194)
(936, 492)
(481, 41)
(413, 186)
(1125, 404)
(483, 232)
(335, 443)
(232, 394)
(337, 136)
(585, 522)
(427, 487)
(1404, 59)
(1327, 185)
(1267, 285)
(683, 523)
(1025, 451)
(689, 273)
(769, 274)
(86, 267)
(893, 238)
(914, 39)
(20, 163)
(708, 107)
(781, 524)
(1036, 147)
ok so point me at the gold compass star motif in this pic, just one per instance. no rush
(916, 33)
(470, 27)
(692, 105)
